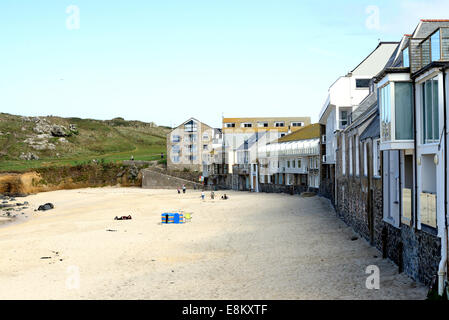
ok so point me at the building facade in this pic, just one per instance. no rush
(391, 159)
(189, 146)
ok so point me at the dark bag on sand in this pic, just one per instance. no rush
(46, 206)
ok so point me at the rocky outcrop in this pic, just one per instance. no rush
(28, 156)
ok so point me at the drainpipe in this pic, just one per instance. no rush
(444, 240)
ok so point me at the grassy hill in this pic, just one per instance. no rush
(72, 141)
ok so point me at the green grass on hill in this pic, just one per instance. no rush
(111, 140)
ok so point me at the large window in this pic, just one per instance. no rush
(405, 58)
(435, 46)
(351, 139)
(376, 158)
(430, 120)
(190, 126)
(344, 115)
(362, 83)
(176, 138)
(357, 156)
(385, 107)
(403, 101)
(343, 154)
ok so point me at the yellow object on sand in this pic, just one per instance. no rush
(187, 216)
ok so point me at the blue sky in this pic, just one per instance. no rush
(165, 61)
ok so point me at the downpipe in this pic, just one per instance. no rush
(444, 245)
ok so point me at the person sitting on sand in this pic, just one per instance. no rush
(179, 191)
(224, 197)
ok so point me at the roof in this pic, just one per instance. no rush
(366, 104)
(380, 44)
(373, 129)
(308, 132)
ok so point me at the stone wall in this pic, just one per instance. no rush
(157, 180)
(416, 252)
(276, 188)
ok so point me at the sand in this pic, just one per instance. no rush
(252, 246)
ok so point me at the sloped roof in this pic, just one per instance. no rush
(373, 129)
(308, 132)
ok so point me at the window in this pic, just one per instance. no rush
(427, 197)
(191, 138)
(262, 124)
(430, 125)
(282, 134)
(205, 136)
(247, 125)
(362, 83)
(351, 140)
(403, 108)
(297, 124)
(205, 147)
(288, 164)
(343, 118)
(299, 163)
(376, 158)
(230, 125)
(357, 156)
(175, 149)
(435, 46)
(343, 155)
(385, 107)
(365, 158)
(279, 124)
(190, 126)
(175, 138)
(175, 159)
(405, 58)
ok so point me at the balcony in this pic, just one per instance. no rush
(434, 48)
(243, 169)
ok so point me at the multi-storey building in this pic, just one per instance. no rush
(189, 146)
(344, 96)
(292, 163)
(391, 158)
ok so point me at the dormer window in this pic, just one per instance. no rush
(247, 125)
(230, 125)
(405, 58)
(279, 124)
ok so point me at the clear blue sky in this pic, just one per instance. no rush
(165, 61)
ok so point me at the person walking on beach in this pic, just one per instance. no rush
(183, 188)
(202, 195)
(179, 191)
(212, 195)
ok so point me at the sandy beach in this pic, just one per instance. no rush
(252, 246)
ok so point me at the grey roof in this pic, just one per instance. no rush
(373, 129)
(426, 27)
(251, 141)
(366, 104)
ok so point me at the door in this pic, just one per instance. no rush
(391, 183)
